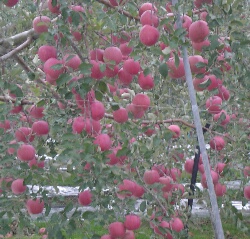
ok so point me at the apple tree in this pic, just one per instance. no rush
(95, 95)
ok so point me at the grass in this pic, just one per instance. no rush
(199, 228)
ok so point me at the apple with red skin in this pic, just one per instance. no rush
(213, 104)
(141, 101)
(112, 55)
(214, 175)
(125, 49)
(96, 72)
(35, 206)
(117, 229)
(197, 82)
(132, 222)
(176, 224)
(18, 187)
(224, 93)
(149, 35)
(219, 167)
(220, 189)
(149, 18)
(186, 22)
(5, 125)
(193, 60)
(10, 3)
(36, 164)
(107, 236)
(131, 66)
(46, 52)
(111, 72)
(189, 164)
(42, 230)
(247, 192)
(175, 130)
(40, 127)
(217, 143)
(24, 134)
(175, 72)
(147, 6)
(72, 61)
(215, 82)
(175, 173)
(151, 176)
(129, 235)
(41, 24)
(85, 198)
(145, 82)
(246, 171)
(96, 54)
(223, 122)
(199, 46)
(54, 73)
(53, 9)
(97, 110)
(103, 141)
(120, 115)
(125, 78)
(26, 152)
(198, 31)
(167, 181)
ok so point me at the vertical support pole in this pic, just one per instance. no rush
(215, 214)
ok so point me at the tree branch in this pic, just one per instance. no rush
(125, 13)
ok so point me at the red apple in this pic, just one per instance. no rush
(10, 3)
(145, 82)
(247, 192)
(176, 224)
(120, 115)
(223, 113)
(125, 49)
(40, 127)
(175, 173)
(198, 31)
(45, 52)
(35, 206)
(149, 18)
(103, 141)
(112, 55)
(96, 72)
(219, 167)
(41, 24)
(220, 189)
(53, 9)
(117, 229)
(215, 178)
(73, 61)
(199, 46)
(176, 130)
(26, 152)
(224, 93)
(189, 164)
(129, 235)
(193, 60)
(175, 72)
(24, 134)
(18, 187)
(36, 164)
(131, 66)
(85, 198)
(132, 222)
(141, 101)
(96, 54)
(49, 67)
(217, 143)
(246, 171)
(125, 78)
(97, 110)
(147, 6)
(213, 104)
(149, 35)
(215, 82)
(36, 112)
(151, 177)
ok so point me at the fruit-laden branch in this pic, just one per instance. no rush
(125, 13)
(17, 49)
(9, 99)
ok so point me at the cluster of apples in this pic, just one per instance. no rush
(123, 230)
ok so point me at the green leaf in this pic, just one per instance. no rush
(146, 72)
(41, 103)
(68, 207)
(63, 78)
(143, 206)
(115, 106)
(98, 95)
(102, 86)
(163, 69)
(54, 3)
(85, 68)
(57, 67)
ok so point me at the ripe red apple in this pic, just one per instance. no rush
(35, 206)
(129, 235)
(132, 222)
(78, 125)
(40, 127)
(85, 198)
(141, 101)
(96, 54)
(224, 93)
(72, 60)
(124, 77)
(125, 49)
(54, 9)
(49, 67)
(36, 164)
(10, 3)
(198, 84)
(120, 115)
(175, 72)
(45, 52)
(5, 125)
(149, 35)
(176, 224)
(213, 104)
(186, 22)
(167, 181)
(176, 130)
(217, 143)
(189, 164)
(247, 192)
(246, 171)
(131, 66)
(103, 141)
(223, 113)
(149, 18)
(215, 178)
(219, 167)
(215, 82)
(145, 82)
(220, 189)
(97, 110)
(96, 72)
(18, 187)
(24, 134)
(26, 152)
(117, 229)
(175, 173)
(199, 46)
(198, 31)
(112, 55)
(147, 6)
(41, 24)
(107, 236)
(112, 71)
(193, 60)
(151, 176)
(199, 3)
